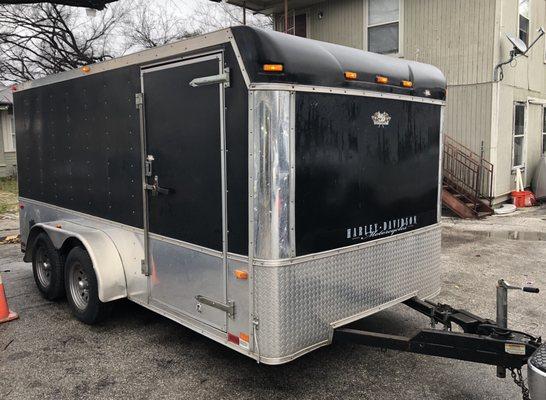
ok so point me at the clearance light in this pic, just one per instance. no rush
(86, 69)
(240, 274)
(407, 84)
(382, 79)
(273, 68)
(243, 336)
(351, 75)
(244, 340)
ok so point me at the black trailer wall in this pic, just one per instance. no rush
(78, 147)
(357, 180)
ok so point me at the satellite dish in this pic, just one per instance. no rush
(519, 46)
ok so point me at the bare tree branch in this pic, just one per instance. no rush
(42, 39)
(151, 27)
(214, 16)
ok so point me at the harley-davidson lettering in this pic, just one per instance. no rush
(385, 228)
(381, 119)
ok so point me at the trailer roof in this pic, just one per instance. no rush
(305, 62)
(311, 62)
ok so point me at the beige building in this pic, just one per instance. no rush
(466, 39)
(8, 160)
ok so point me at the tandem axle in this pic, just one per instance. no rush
(481, 340)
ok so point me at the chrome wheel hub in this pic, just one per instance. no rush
(78, 283)
(43, 267)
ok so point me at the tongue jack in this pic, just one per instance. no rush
(502, 308)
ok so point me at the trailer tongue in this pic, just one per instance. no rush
(482, 341)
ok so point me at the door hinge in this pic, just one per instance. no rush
(229, 308)
(212, 80)
(144, 268)
(139, 99)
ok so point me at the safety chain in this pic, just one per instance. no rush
(517, 376)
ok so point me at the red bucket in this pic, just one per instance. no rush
(523, 198)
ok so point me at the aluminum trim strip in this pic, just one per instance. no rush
(440, 163)
(367, 313)
(195, 59)
(81, 215)
(291, 357)
(536, 370)
(356, 247)
(251, 281)
(349, 92)
(197, 326)
(292, 195)
(215, 253)
(169, 50)
(191, 246)
(239, 60)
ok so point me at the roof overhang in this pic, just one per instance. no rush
(96, 4)
(272, 6)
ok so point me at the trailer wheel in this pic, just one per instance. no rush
(47, 268)
(82, 289)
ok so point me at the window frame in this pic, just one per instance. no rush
(523, 135)
(529, 24)
(7, 127)
(543, 129)
(367, 26)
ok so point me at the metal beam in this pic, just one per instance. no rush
(95, 4)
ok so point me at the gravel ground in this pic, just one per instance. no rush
(140, 355)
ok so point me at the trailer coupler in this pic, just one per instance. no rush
(481, 340)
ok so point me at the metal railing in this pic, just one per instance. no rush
(467, 172)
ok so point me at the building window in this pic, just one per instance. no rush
(524, 21)
(384, 26)
(544, 130)
(519, 135)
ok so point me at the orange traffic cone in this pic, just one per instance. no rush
(5, 314)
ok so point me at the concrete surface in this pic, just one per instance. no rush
(139, 355)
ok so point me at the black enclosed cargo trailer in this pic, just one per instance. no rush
(259, 188)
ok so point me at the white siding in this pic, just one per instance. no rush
(525, 82)
(468, 116)
(454, 35)
(342, 22)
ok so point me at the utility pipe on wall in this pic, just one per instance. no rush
(285, 16)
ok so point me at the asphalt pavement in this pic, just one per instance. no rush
(137, 354)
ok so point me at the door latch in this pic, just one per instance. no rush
(155, 188)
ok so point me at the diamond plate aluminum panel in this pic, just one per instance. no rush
(297, 304)
(538, 359)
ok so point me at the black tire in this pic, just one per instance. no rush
(47, 268)
(82, 289)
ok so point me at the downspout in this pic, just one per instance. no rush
(495, 101)
(285, 16)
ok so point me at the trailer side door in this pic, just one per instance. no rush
(185, 182)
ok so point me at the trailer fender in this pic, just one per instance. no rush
(102, 251)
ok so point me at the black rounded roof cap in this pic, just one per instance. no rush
(311, 62)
